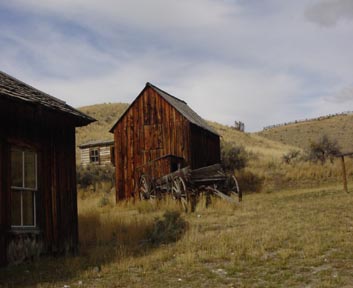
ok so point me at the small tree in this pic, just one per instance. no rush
(323, 149)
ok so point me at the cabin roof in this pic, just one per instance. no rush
(15, 89)
(180, 105)
(96, 143)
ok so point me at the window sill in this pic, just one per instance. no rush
(24, 230)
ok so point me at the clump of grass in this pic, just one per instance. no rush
(168, 229)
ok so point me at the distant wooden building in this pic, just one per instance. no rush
(157, 134)
(38, 201)
(97, 152)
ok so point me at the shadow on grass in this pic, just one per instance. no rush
(101, 243)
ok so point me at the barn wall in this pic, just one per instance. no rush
(205, 148)
(56, 197)
(150, 129)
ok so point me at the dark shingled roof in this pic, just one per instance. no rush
(18, 90)
(95, 143)
(181, 106)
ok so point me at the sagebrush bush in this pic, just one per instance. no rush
(167, 230)
(233, 157)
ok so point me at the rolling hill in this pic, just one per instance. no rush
(339, 127)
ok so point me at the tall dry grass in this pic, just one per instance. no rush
(292, 238)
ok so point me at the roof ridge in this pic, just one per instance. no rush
(155, 87)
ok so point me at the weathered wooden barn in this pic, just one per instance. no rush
(38, 201)
(97, 152)
(157, 134)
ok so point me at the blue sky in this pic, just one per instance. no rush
(261, 62)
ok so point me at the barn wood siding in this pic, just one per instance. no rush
(204, 148)
(56, 199)
(150, 129)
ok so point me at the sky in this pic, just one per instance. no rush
(260, 62)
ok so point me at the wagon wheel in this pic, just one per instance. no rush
(179, 192)
(178, 188)
(145, 188)
(232, 187)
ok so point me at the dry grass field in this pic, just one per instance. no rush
(292, 238)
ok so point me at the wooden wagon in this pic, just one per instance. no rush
(185, 184)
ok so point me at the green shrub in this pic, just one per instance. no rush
(167, 230)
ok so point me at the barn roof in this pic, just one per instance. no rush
(17, 90)
(96, 143)
(181, 106)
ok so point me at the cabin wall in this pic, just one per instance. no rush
(150, 129)
(84, 156)
(205, 148)
(56, 198)
(104, 155)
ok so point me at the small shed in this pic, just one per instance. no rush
(97, 152)
(163, 131)
(38, 201)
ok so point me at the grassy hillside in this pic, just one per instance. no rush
(300, 134)
(106, 114)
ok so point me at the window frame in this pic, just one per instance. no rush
(23, 188)
(91, 157)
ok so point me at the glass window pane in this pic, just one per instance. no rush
(30, 169)
(28, 208)
(16, 208)
(16, 168)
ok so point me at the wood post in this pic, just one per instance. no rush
(344, 175)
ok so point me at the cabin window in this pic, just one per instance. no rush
(23, 187)
(94, 155)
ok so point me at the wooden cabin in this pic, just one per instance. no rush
(156, 135)
(97, 153)
(38, 201)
